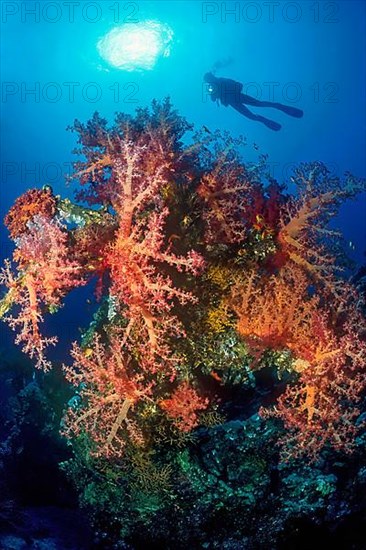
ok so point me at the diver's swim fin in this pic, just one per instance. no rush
(272, 125)
(292, 111)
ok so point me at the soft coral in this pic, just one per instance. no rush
(45, 274)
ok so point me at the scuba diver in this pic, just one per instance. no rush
(229, 92)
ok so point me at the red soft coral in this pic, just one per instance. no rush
(183, 405)
(35, 202)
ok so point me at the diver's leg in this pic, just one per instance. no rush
(292, 111)
(244, 111)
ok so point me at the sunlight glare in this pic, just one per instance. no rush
(136, 46)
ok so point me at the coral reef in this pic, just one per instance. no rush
(219, 296)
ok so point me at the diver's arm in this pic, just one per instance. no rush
(215, 98)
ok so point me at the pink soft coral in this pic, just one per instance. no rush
(110, 387)
(45, 274)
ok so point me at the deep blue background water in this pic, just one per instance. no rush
(312, 54)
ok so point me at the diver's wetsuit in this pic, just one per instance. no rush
(229, 92)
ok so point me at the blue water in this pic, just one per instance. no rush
(309, 54)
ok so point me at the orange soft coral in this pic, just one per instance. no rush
(275, 312)
(226, 194)
(139, 285)
(321, 409)
(303, 236)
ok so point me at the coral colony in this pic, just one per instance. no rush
(206, 272)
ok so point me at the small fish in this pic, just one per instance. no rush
(215, 376)
(173, 237)
(259, 222)
(352, 245)
(88, 352)
(74, 402)
(255, 146)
